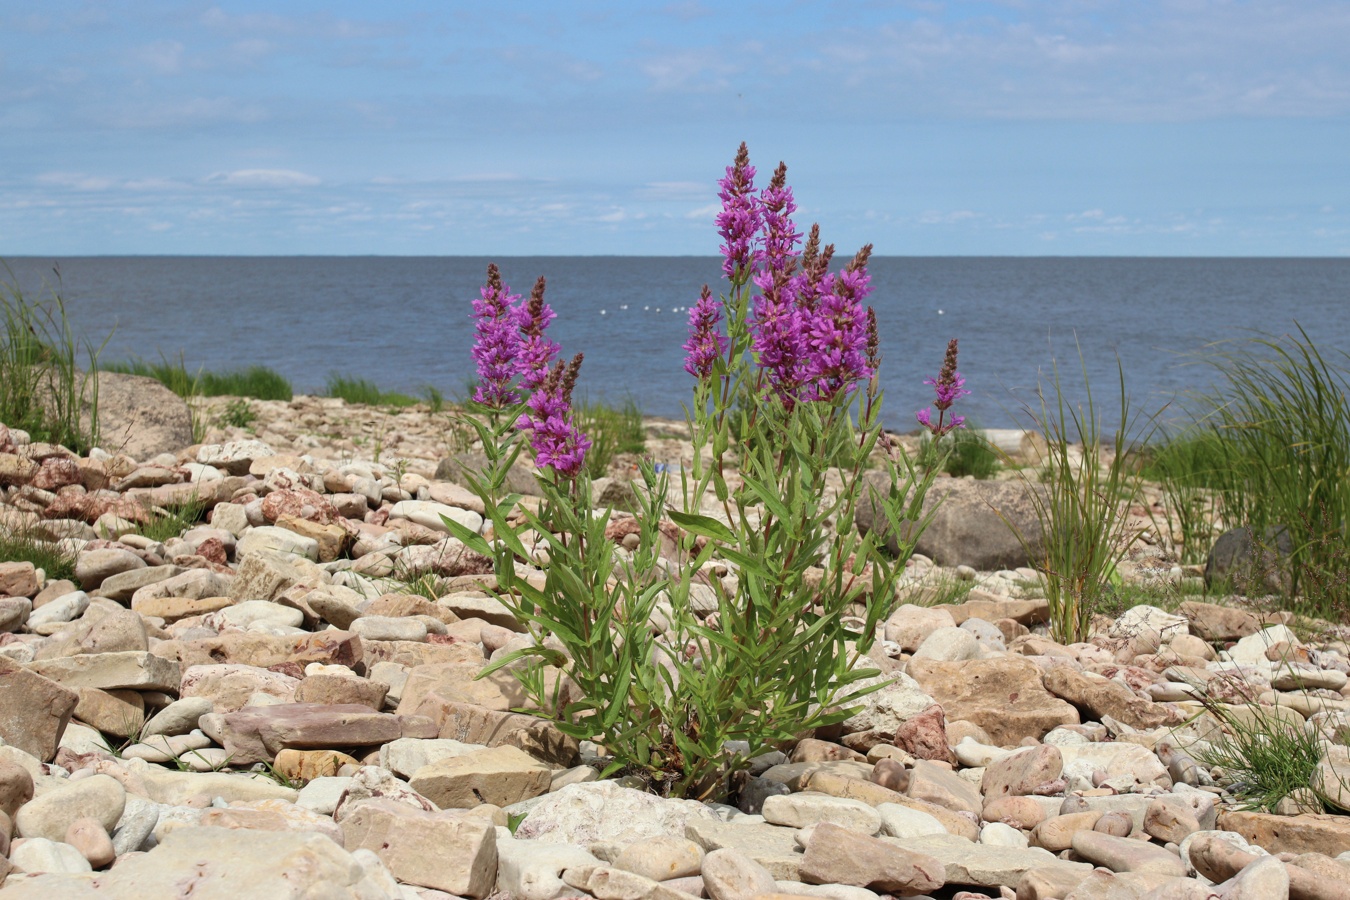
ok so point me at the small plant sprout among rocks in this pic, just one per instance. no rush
(549, 649)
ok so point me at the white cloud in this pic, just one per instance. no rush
(263, 178)
(161, 57)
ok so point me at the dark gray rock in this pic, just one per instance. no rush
(968, 525)
(1250, 565)
(756, 791)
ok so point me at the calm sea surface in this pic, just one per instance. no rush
(403, 322)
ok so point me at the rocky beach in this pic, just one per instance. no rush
(282, 699)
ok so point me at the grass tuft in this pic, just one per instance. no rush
(363, 391)
(964, 453)
(1264, 758)
(22, 545)
(1082, 508)
(612, 430)
(172, 520)
(42, 387)
(258, 382)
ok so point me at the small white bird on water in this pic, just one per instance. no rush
(604, 312)
(623, 306)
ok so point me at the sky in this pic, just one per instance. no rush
(1022, 127)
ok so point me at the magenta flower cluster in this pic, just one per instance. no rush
(510, 344)
(950, 386)
(809, 329)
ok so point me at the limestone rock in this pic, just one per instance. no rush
(34, 710)
(1005, 696)
(603, 811)
(444, 851)
(140, 417)
(835, 855)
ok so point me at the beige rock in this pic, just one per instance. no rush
(17, 579)
(935, 784)
(1169, 822)
(1020, 812)
(92, 567)
(662, 857)
(34, 710)
(123, 586)
(910, 624)
(1125, 855)
(472, 724)
(459, 682)
(88, 836)
(1021, 773)
(110, 671)
(120, 713)
(774, 848)
(498, 775)
(330, 539)
(307, 765)
(331, 689)
(51, 814)
(263, 650)
(731, 875)
(444, 851)
(808, 808)
(16, 788)
(1105, 697)
(835, 855)
(228, 687)
(171, 609)
(1004, 696)
(1056, 834)
(1325, 834)
(258, 733)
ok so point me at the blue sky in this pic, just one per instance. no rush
(1061, 127)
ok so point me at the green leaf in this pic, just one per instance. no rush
(469, 538)
(706, 526)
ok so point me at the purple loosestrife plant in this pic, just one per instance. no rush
(706, 344)
(742, 615)
(557, 442)
(740, 218)
(536, 352)
(950, 386)
(497, 345)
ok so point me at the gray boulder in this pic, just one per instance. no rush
(1251, 565)
(968, 525)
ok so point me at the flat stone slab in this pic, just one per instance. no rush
(986, 865)
(1329, 835)
(133, 669)
(772, 847)
(259, 733)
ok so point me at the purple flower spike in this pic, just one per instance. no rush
(780, 237)
(536, 352)
(950, 386)
(557, 442)
(706, 344)
(740, 218)
(496, 345)
(836, 335)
